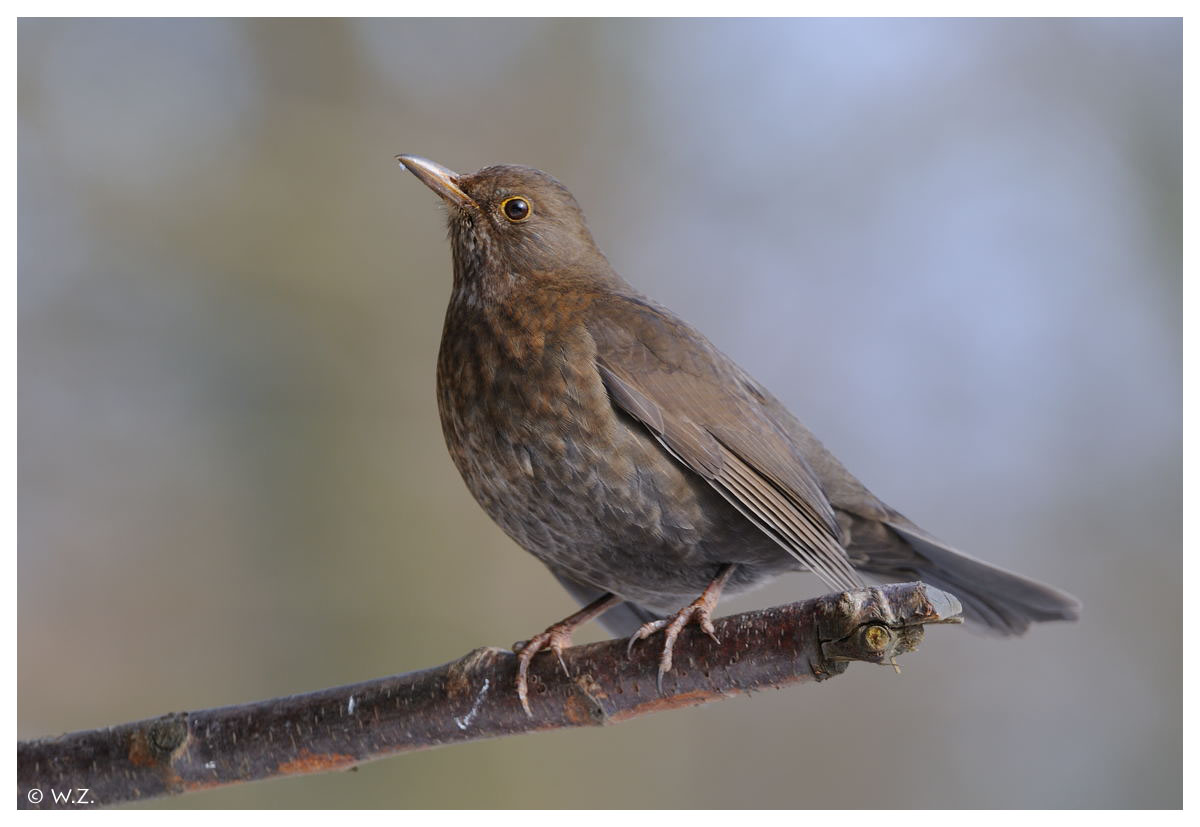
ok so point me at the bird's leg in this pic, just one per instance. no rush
(556, 638)
(699, 611)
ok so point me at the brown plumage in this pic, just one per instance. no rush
(638, 462)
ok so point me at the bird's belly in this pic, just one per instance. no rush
(591, 493)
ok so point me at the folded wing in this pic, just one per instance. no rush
(705, 413)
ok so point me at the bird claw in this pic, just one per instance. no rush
(556, 639)
(698, 612)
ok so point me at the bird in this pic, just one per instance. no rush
(647, 470)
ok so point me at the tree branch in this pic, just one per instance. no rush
(473, 698)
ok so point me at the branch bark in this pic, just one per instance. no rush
(473, 698)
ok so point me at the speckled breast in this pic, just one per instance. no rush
(588, 491)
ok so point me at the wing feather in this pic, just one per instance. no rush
(789, 527)
(699, 408)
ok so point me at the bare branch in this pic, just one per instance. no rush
(473, 698)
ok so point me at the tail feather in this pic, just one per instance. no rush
(998, 601)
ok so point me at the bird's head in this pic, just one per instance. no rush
(509, 223)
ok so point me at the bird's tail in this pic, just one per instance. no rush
(994, 600)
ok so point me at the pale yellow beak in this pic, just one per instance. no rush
(439, 179)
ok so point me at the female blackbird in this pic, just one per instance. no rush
(638, 462)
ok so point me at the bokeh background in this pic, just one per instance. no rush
(952, 247)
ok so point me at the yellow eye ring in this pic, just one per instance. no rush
(516, 209)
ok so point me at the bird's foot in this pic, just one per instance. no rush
(556, 638)
(699, 611)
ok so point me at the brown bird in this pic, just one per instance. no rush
(639, 463)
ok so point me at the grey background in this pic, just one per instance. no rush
(952, 247)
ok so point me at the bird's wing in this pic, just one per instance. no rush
(698, 404)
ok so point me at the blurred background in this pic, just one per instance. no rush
(951, 247)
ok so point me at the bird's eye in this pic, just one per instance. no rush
(516, 209)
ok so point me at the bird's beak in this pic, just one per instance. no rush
(439, 179)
